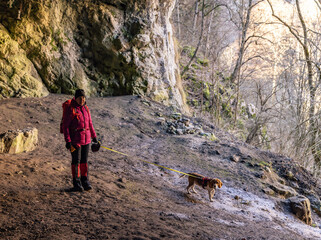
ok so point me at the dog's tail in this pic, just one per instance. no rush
(182, 176)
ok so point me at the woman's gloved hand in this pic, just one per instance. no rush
(68, 145)
(95, 140)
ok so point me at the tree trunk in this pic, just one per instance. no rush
(237, 99)
(253, 133)
(199, 41)
(19, 11)
(245, 27)
(208, 34)
(29, 9)
(202, 95)
(10, 2)
(313, 128)
(195, 16)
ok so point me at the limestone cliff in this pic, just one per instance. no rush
(107, 47)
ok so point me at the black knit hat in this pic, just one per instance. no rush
(79, 93)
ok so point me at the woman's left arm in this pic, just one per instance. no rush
(91, 127)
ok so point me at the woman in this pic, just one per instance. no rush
(78, 131)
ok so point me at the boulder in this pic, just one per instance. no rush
(283, 191)
(315, 202)
(235, 158)
(19, 141)
(186, 122)
(300, 206)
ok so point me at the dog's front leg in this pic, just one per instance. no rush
(211, 194)
(190, 186)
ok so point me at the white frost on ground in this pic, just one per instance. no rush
(259, 209)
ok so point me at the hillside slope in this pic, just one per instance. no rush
(135, 200)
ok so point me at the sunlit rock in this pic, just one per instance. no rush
(19, 141)
(18, 76)
(300, 206)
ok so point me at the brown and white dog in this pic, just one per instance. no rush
(207, 183)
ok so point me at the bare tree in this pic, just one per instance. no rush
(312, 79)
(195, 16)
(208, 35)
(204, 14)
(266, 112)
(199, 40)
(244, 13)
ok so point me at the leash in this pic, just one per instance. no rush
(124, 154)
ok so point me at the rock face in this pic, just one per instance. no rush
(300, 206)
(107, 47)
(18, 141)
(18, 76)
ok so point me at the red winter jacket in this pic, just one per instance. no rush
(78, 128)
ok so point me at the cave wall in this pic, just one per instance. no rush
(106, 47)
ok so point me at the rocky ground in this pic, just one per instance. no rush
(132, 199)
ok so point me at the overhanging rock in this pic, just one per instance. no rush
(18, 141)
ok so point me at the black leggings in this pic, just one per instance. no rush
(80, 155)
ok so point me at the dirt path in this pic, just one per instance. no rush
(132, 199)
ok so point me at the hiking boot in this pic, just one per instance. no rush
(85, 183)
(77, 185)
